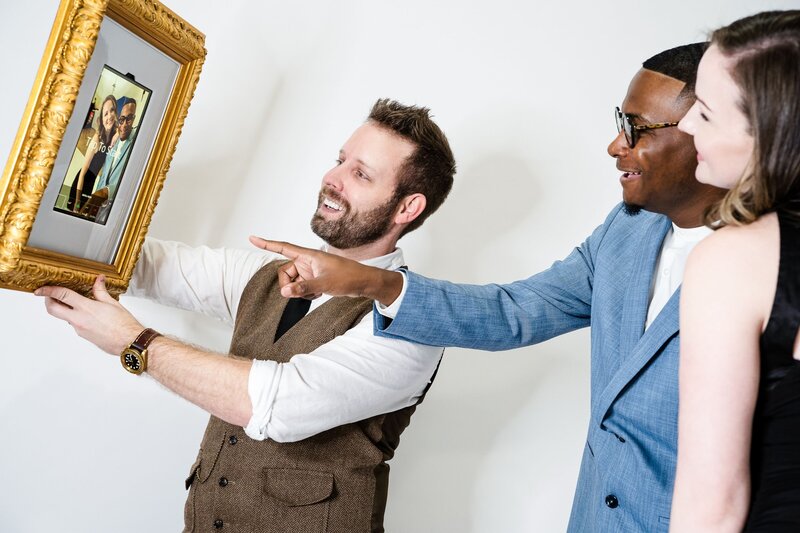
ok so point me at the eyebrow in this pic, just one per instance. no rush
(359, 161)
(636, 117)
(365, 165)
(704, 104)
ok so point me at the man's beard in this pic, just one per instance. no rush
(353, 229)
(631, 209)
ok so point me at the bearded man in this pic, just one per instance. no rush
(309, 405)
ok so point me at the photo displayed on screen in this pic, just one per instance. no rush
(104, 145)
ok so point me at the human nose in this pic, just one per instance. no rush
(619, 146)
(333, 178)
(687, 123)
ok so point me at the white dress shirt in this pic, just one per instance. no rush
(668, 275)
(353, 377)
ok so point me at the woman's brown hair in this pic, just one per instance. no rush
(765, 49)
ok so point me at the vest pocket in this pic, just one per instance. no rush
(298, 500)
(209, 453)
(192, 473)
(188, 508)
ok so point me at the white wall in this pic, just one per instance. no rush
(524, 91)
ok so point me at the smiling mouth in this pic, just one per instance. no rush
(631, 175)
(330, 204)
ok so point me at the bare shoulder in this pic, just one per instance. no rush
(738, 263)
(742, 248)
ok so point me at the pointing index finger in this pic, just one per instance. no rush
(284, 248)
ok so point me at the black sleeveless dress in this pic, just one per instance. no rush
(88, 180)
(775, 451)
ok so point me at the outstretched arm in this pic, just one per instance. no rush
(211, 381)
(440, 313)
(199, 279)
(724, 306)
(311, 273)
(353, 377)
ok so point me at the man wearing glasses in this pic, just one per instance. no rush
(623, 282)
(116, 159)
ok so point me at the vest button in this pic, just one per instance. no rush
(612, 501)
(223, 482)
(218, 524)
(232, 440)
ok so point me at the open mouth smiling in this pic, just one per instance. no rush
(331, 205)
(630, 174)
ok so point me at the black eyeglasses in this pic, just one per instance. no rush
(625, 124)
(126, 118)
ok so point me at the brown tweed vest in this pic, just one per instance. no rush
(334, 482)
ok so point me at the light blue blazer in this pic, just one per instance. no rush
(628, 466)
(113, 168)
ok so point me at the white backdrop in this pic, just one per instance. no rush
(524, 91)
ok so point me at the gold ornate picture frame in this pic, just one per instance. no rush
(111, 95)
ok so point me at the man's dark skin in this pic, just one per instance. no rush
(125, 128)
(658, 177)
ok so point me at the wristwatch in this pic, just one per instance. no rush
(134, 357)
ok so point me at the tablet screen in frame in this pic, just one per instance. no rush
(125, 67)
(105, 143)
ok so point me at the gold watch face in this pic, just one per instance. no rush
(133, 361)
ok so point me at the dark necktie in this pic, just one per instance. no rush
(296, 308)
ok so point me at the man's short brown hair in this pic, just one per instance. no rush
(430, 168)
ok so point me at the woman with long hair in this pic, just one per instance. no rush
(96, 152)
(739, 417)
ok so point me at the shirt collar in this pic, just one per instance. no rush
(691, 234)
(390, 261)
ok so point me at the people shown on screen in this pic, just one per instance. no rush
(116, 161)
(739, 416)
(95, 156)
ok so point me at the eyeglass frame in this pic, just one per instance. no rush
(130, 118)
(632, 136)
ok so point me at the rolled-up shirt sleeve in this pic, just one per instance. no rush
(353, 377)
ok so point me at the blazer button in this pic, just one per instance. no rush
(218, 524)
(612, 501)
(232, 440)
(223, 482)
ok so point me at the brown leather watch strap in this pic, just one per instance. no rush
(144, 339)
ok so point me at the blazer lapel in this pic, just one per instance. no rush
(637, 295)
(633, 338)
(665, 325)
(121, 157)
